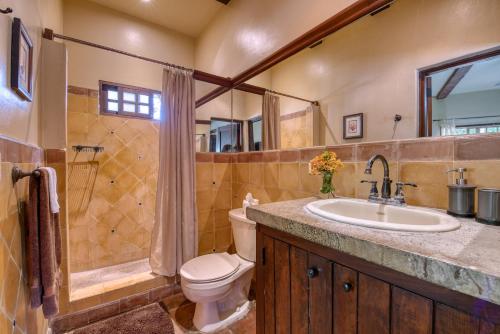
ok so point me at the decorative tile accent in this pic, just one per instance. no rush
(270, 156)
(16, 152)
(289, 156)
(222, 157)
(429, 149)
(346, 153)
(483, 147)
(388, 149)
(204, 157)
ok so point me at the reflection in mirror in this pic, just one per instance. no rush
(465, 98)
(215, 130)
(247, 114)
(364, 76)
(273, 120)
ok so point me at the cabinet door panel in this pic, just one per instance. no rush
(282, 286)
(345, 301)
(411, 313)
(374, 298)
(299, 291)
(268, 269)
(451, 321)
(488, 328)
(320, 295)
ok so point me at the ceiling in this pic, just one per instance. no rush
(186, 16)
(483, 75)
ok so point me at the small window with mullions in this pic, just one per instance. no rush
(131, 101)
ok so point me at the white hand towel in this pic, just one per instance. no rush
(54, 199)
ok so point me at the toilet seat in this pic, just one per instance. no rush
(209, 268)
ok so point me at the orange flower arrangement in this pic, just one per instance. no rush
(325, 164)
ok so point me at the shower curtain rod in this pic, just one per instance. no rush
(198, 75)
(293, 97)
(225, 83)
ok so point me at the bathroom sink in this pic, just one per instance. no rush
(387, 217)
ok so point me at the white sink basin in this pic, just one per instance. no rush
(387, 217)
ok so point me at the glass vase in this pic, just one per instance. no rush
(327, 187)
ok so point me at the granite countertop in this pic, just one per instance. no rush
(466, 260)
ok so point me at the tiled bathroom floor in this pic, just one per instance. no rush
(182, 311)
(97, 281)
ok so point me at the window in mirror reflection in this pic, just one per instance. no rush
(465, 98)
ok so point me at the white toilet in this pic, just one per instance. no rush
(219, 283)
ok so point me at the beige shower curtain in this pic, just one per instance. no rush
(174, 238)
(271, 122)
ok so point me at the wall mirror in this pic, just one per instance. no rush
(215, 131)
(462, 96)
(365, 77)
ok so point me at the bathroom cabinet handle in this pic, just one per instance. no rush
(347, 286)
(312, 272)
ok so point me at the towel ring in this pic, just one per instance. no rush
(18, 174)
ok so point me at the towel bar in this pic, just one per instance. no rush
(18, 174)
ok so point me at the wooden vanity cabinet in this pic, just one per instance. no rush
(303, 287)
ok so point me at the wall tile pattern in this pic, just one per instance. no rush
(296, 130)
(16, 316)
(282, 175)
(113, 226)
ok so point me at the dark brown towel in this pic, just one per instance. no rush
(43, 247)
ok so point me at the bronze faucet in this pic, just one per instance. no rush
(385, 197)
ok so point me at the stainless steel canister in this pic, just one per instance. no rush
(488, 211)
(461, 200)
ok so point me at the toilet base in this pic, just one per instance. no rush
(206, 316)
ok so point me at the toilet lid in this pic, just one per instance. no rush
(210, 267)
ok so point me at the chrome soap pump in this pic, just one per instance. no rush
(461, 196)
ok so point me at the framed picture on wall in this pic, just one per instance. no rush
(21, 61)
(353, 126)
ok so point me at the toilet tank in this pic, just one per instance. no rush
(244, 234)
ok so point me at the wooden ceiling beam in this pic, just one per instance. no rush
(452, 82)
(345, 17)
(251, 89)
(212, 78)
(212, 95)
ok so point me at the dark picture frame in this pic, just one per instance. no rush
(353, 126)
(21, 73)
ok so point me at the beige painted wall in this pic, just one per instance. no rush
(247, 31)
(19, 119)
(92, 22)
(371, 66)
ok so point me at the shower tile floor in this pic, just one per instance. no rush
(93, 282)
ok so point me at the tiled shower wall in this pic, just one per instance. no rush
(283, 175)
(297, 130)
(16, 316)
(114, 225)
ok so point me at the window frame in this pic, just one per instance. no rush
(121, 89)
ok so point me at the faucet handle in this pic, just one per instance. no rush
(373, 190)
(399, 195)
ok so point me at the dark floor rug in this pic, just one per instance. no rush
(150, 319)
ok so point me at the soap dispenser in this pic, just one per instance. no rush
(461, 196)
